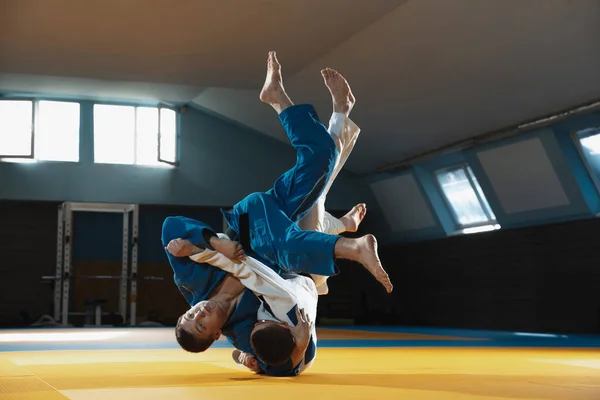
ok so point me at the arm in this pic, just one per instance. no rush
(263, 281)
(253, 274)
(232, 285)
(203, 278)
(302, 334)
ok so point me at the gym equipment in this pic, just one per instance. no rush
(64, 261)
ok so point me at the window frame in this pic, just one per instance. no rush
(177, 123)
(34, 111)
(576, 136)
(468, 171)
(135, 106)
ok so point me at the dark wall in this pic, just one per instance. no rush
(28, 236)
(28, 251)
(538, 279)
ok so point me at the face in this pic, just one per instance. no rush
(203, 320)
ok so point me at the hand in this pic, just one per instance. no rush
(303, 329)
(230, 249)
(181, 248)
(249, 361)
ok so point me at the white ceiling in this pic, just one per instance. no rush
(425, 72)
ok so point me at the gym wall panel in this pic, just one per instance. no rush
(543, 278)
(27, 252)
(28, 237)
(523, 177)
(403, 204)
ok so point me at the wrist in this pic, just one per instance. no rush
(214, 241)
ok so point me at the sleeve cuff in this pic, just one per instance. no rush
(207, 234)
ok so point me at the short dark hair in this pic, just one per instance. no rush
(191, 343)
(273, 344)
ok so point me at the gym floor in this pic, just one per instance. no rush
(365, 363)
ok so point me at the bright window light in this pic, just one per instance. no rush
(168, 135)
(114, 134)
(479, 229)
(52, 127)
(147, 136)
(16, 127)
(589, 141)
(130, 135)
(466, 199)
(80, 336)
(591, 144)
(57, 131)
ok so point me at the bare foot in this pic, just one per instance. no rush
(354, 217)
(343, 99)
(273, 92)
(182, 248)
(369, 258)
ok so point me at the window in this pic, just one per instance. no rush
(16, 128)
(135, 135)
(466, 199)
(39, 130)
(589, 145)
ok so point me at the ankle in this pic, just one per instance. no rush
(346, 248)
(347, 222)
(342, 109)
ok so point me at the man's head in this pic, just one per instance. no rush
(272, 342)
(200, 326)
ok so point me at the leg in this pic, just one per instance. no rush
(344, 133)
(273, 92)
(334, 226)
(311, 252)
(298, 189)
(364, 251)
(351, 220)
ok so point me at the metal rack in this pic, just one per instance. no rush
(64, 251)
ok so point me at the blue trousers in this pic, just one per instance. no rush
(297, 189)
(266, 220)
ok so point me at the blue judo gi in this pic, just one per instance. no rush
(264, 223)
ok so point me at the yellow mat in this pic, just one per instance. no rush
(338, 373)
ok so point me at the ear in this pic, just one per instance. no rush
(217, 335)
